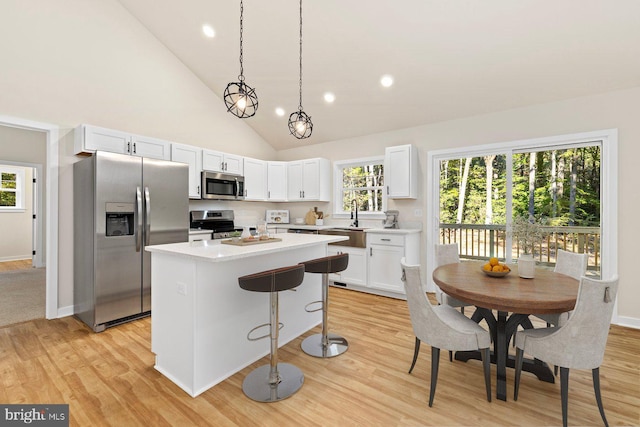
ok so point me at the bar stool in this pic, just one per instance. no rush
(276, 381)
(325, 344)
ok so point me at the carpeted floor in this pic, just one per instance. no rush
(22, 295)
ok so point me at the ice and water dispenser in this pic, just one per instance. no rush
(120, 219)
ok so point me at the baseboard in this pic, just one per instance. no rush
(65, 311)
(15, 258)
(629, 322)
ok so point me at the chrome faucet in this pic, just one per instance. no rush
(355, 222)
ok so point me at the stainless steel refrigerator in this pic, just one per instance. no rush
(122, 204)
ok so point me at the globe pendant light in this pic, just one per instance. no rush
(240, 98)
(300, 124)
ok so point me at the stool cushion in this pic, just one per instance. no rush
(328, 264)
(279, 279)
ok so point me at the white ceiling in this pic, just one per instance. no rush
(449, 58)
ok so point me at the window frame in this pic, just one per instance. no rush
(608, 139)
(338, 168)
(19, 190)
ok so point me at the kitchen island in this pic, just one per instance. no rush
(200, 317)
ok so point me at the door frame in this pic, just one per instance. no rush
(51, 205)
(36, 237)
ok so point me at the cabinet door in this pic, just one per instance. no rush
(277, 181)
(400, 172)
(384, 267)
(311, 179)
(255, 179)
(233, 164)
(91, 138)
(356, 271)
(193, 157)
(294, 179)
(143, 146)
(212, 161)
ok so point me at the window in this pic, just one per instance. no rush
(361, 180)
(569, 180)
(11, 188)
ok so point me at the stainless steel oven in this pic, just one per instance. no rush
(220, 186)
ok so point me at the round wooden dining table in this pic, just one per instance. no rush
(514, 299)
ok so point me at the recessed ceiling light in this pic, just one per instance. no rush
(329, 97)
(208, 30)
(280, 111)
(386, 80)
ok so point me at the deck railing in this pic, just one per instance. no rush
(479, 241)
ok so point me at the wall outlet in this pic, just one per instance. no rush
(417, 212)
(181, 288)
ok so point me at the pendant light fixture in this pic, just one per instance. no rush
(300, 124)
(240, 98)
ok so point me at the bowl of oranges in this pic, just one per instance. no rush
(494, 269)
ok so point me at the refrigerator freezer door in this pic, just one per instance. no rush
(166, 194)
(117, 263)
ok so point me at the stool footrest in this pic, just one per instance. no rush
(308, 310)
(250, 338)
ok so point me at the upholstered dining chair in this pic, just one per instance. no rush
(448, 254)
(570, 264)
(577, 344)
(442, 326)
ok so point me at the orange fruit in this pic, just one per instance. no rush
(493, 261)
(486, 267)
(497, 268)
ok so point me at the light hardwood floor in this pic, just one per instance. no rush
(109, 379)
(20, 264)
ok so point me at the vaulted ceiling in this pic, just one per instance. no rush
(449, 58)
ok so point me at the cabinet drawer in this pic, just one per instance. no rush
(385, 239)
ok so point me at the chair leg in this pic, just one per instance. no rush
(516, 381)
(486, 365)
(596, 387)
(435, 359)
(416, 350)
(564, 393)
(450, 356)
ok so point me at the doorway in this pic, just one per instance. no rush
(50, 188)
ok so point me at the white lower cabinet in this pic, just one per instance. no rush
(356, 272)
(385, 250)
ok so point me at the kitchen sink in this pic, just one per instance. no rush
(357, 236)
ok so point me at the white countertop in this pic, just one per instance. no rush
(196, 231)
(215, 251)
(393, 230)
(366, 230)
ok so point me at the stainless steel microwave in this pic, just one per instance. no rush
(220, 186)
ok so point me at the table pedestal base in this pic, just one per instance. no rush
(502, 329)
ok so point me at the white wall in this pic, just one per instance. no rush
(68, 62)
(609, 110)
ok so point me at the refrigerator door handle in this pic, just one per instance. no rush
(147, 219)
(139, 218)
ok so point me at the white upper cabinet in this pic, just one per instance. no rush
(255, 179)
(276, 181)
(193, 157)
(217, 161)
(89, 139)
(401, 171)
(309, 180)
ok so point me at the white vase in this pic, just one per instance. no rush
(526, 266)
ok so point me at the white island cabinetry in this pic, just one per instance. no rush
(201, 316)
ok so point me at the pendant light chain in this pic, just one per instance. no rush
(300, 105)
(300, 124)
(240, 98)
(241, 76)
